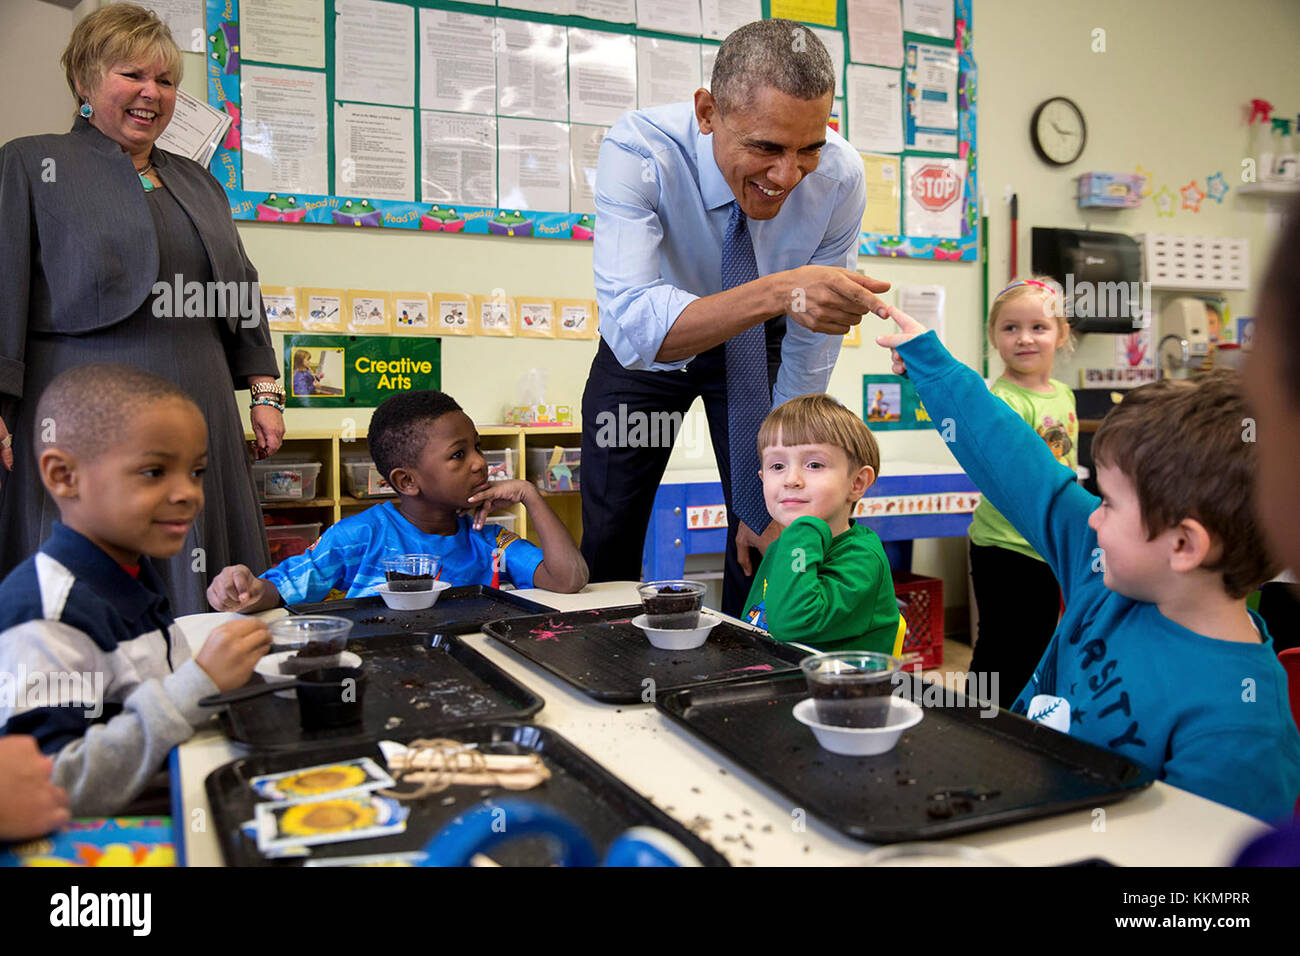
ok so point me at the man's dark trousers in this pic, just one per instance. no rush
(619, 482)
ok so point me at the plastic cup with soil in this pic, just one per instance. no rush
(848, 686)
(672, 605)
(411, 572)
(318, 639)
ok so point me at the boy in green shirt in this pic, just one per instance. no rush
(826, 580)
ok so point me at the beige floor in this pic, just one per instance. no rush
(956, 661)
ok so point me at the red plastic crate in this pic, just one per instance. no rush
(922, 608)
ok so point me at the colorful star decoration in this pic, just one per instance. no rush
(1146, 176)
(1164, 201)
(1217, 187)
(1192, 196)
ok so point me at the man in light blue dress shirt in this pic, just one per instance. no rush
(667, 182)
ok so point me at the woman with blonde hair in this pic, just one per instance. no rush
(114, 250)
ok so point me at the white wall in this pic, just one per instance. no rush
(1168, 93)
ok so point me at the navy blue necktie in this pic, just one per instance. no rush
(749, 395)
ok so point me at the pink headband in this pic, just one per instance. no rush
(1041, 285)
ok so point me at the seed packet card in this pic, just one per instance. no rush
(414, 858)
(332, 820)
(312, 783)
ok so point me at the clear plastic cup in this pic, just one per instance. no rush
(411, 572)
(847, 686)
(672, 605)
(311, 635)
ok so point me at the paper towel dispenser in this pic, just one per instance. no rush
(1100, 273)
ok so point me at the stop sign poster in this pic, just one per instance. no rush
(935, 197)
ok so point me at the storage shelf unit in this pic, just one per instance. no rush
(330, 448)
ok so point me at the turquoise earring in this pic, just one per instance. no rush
(87, 110)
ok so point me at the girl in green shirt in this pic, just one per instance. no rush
(1017, 597)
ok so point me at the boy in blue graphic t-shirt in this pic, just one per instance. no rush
(428, 450)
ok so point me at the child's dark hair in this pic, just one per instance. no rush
(397, 434)
(1185, 447)
(820, 420)
(85, 408)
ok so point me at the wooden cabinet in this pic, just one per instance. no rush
(332, 501)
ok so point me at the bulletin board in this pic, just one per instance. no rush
(348, 122)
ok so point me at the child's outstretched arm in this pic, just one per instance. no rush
(563, 569)
(1009, 463)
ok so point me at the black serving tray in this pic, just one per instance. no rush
(425, 681)
(600, 803)
(462, 610)
(994, 770)
(604, 655)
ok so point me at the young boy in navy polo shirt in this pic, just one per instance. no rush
(428, 450)
(100, 675)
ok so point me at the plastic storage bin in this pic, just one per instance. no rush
(286, 478)
(500, 462)
(363, 479)
(286, 540)
(922, 608)
(563, 476)
(506, 521)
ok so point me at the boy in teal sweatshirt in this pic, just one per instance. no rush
(825, 581)
(1156, 656)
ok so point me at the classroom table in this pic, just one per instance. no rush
(1160, 826)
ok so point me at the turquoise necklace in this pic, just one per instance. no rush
(144, 178)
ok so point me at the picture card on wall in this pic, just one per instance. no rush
(536, 316)
(322, 309)
(575, 318)
(453, 313)
(280, 303)
(494, 314)
(370, 312)
(411, 313)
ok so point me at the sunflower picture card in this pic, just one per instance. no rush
(337, 819)
(312, 783)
